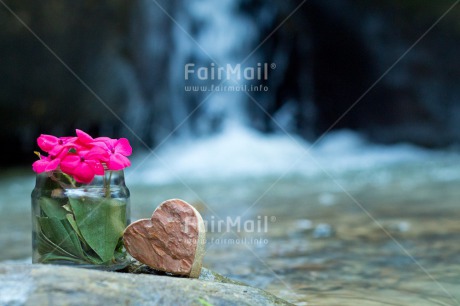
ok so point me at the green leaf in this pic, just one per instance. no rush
(73, 237)
(50, 257)
(74, 225)
(67, 207)
(52, 208)
(101, 222)
(61, 234)
(51, 252)
(47, 248)
(94, 259)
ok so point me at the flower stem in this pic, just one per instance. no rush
(60, 182)
(71, 180)
(107, 183)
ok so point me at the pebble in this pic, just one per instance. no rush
(322, 230)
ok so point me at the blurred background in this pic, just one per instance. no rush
(132, 54)
(353, 149)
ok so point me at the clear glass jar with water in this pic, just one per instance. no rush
(80, 224)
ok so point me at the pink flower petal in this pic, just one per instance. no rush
(52, 165)
(70, 163)
(45, 164)
(47, 142)
(97, 153)
(83, 137)
(118, 162)
(67, 139)
(98, 168)
(84, 173)
(102, 139)
(39, 166)
(123, 147)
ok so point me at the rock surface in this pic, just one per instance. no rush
(59, 285)
(171, 241)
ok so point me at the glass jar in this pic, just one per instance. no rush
(80, 224)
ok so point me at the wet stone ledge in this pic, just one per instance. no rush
(61, 285)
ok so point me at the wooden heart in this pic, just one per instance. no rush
(173, 240)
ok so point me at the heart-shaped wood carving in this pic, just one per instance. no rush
(173, 240)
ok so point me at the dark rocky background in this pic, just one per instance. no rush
(328, 54)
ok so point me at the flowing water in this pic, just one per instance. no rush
(350, 224)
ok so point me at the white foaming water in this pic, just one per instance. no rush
(221, 36)
(241, 153)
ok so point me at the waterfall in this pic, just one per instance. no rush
(166, 36)
(211, 34)
(319, 74)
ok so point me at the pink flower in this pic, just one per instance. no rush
(54, 145)
(45, 164)
(82, 156)
(84, 165)
(118, 150)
